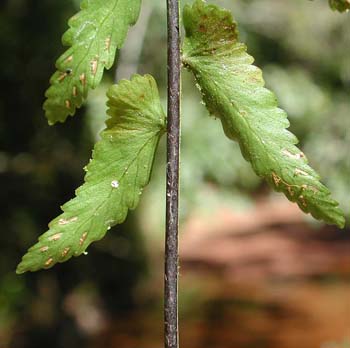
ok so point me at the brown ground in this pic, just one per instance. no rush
(264, 279)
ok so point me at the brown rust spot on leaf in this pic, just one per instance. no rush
(65, 252)
(67, 221)
(55, 237)
(300, 172)
(290, 191)
(82, 79)
(302, 200)
(83, 238)
(69, 59)
(94, 65)
(202, 28)
(108, 43)
(49, 262)
(276, 179)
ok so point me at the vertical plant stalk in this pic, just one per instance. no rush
(172, 191)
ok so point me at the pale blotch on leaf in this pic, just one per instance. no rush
(94, 64)
(65, 252)
(67, 221)
(115, 183)
(49, 262)
(83, 238)
(55, 237)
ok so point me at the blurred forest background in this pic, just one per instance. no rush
(255, 272)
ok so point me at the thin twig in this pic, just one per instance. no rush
(172, 203)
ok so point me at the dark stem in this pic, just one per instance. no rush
(172, 192)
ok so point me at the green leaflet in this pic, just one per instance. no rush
(95, 33)
(340, 5)
(233, 90)
(115, 177)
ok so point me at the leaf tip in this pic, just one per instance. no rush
(340, 222)
(21, 268)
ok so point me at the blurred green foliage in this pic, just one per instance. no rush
(340, 5)
(302, 47)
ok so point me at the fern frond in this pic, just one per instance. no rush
(233, 90)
